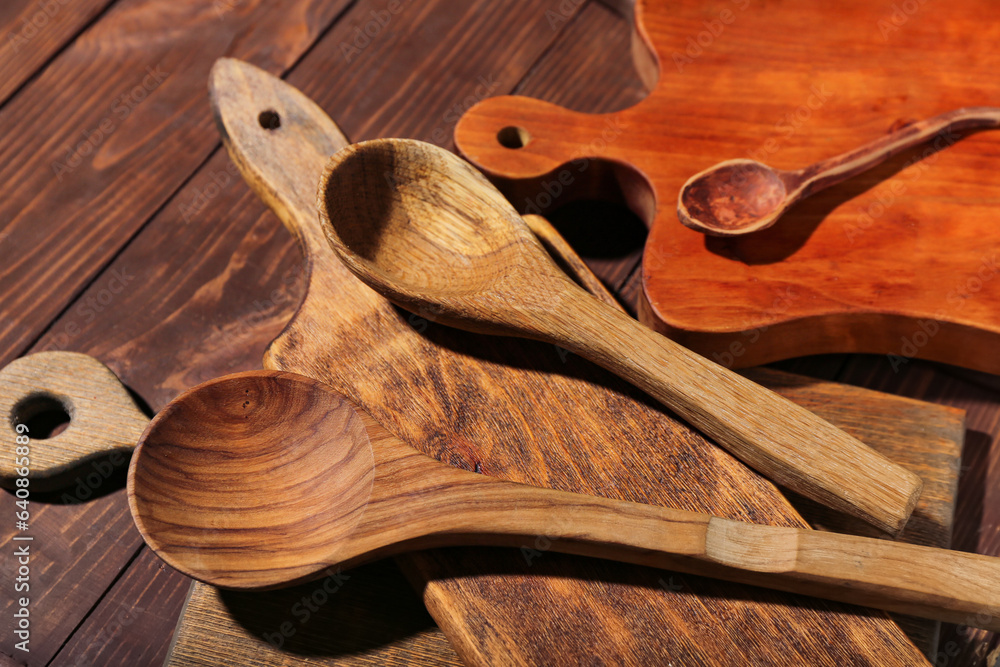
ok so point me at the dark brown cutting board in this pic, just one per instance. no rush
(901, 260)
(527, 412)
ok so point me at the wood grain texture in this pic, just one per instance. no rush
(107, 133)
(215, 278)
(856, 268)
(742, 196)
(342, 491)
(371, 620)
(105, 422)
(146, 598)
(455, 390)
(429, 233)
(217, 284)
(34, 31)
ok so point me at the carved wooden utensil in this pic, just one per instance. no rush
(553, 421)
(425, 229)
(741, 196)
(267, 479)
(901, 260)
(106, 421)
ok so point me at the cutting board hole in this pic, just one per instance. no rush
(269, 120)
(513, 137)
(45, 416)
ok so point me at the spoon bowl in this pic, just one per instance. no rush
(736, 196)
(268, 479)
(219, 468)
(422, 222)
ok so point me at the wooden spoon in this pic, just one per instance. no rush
(741, 196)
(430, 233)
(266, 479)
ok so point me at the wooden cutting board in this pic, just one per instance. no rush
(530, 413)
(901, 260)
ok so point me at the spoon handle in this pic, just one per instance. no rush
(923, 581)
(781, 440)
(829, 172)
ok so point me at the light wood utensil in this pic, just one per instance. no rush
(430, 233)
(266, 479)
(103, 419)
(742, 196)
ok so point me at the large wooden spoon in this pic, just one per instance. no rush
(266, 479)
(741, 196)
(429, 232)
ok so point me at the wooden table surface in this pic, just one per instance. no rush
(112, 171)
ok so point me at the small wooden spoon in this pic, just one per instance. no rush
(741, 196)
(426, 230)
(266, 479)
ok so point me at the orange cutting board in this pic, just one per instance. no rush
(900, 260)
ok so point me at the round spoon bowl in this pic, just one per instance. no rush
(734, 197)
(275, 461)
(459, 244)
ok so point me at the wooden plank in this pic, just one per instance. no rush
(977, 524)
(67, 576)
(217, 293)
(32, 31)
(108, 132)
(127, 631)
(378, 621)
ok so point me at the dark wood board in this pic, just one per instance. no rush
(175, 330)
(109, 130)
(857, 268)
(35, 31)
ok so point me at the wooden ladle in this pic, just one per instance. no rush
(266, 479)
(426, 230)
(741, 196)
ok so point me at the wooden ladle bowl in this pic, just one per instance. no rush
(258, 458)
